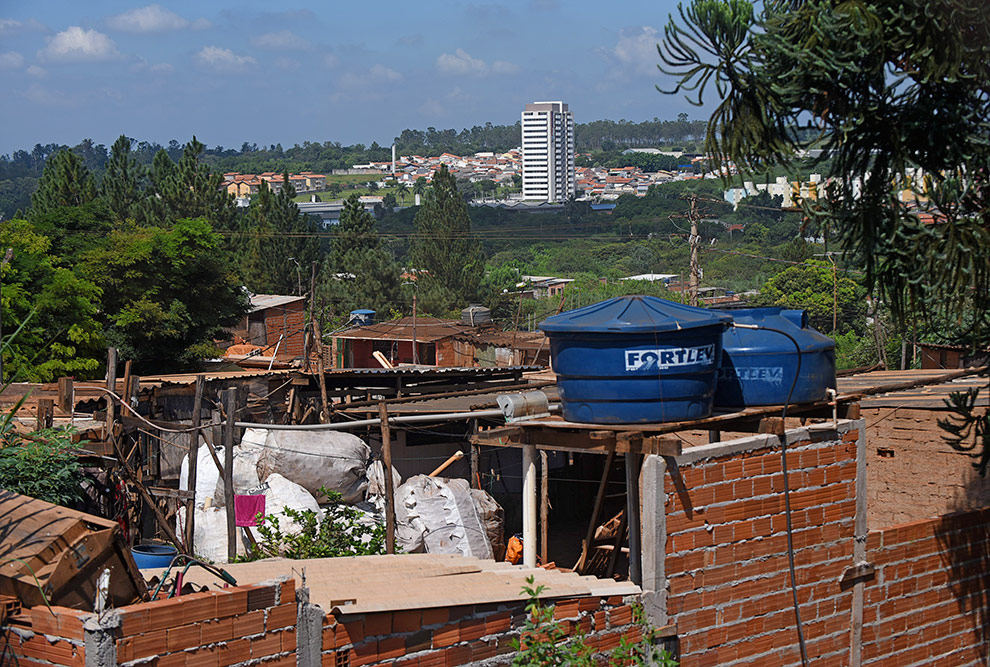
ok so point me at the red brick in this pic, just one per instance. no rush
(457, 655)
(378, 624)
(406, 621)
(435, 616)
(164, 614)
(231, 601)
(288, 640)
(268, 644)
(498, 623)
(566, 609)
(448, 635)
(218, 630)
(282, 616)
(351, 632)
(248, 624)
(183, 637)
(288, 593)
(364, 654)
(233, 652)
(141, 646)
(391, 648)
(472, 629)
(203, 657)
(133, 621)
(620, 616)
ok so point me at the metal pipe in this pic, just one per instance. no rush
(405, 419)
(529, 505)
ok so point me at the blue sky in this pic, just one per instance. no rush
(288, 72)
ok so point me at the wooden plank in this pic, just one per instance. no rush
(46, 413)
(544, 506)
(65, 395)
(162, 492)
(595, 513)
(194, 460)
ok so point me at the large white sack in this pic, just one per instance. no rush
(439, 516)
(376, 495)
(207, 475)
(493, 519)
(210, 533)
(281, 493)
(315, 459)
(245, 472)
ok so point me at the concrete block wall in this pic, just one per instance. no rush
(465, 635)
(728, 586)
(929, 601)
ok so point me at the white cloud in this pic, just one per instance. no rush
(153, 18)
(76, 44)
(282, 40)
(222, 59)
(383, 73)
(44, 97)
(9, 25)
(11, 60)
(460, 62)
(330, 60)
(161, 68)
(637, 47)
(504, 67)
(39, 72)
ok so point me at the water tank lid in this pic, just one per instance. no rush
(363, 311)
(634, 314)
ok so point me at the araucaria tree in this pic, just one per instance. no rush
(445, 248)
(358, 272)
(896, 93)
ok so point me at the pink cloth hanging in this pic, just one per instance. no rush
(246, 508)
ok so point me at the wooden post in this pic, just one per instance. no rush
(544, 506)
(595, 514)
(125, 393)
(65, 395)
(194, 461)
(633, 463)
(132, 392)
(475, 458)
(46, 413)
(389, 491)
(230, 410)
(325, 412)
(111, 386)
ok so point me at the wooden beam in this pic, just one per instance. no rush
(389, 491)
(230, 410)
(65, 395)
(46, 413)
(633, 464)
(544, 506)
(112, 386)
(193, 462)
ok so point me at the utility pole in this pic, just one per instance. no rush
(694, 241)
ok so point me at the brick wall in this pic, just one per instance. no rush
(463, 635)
(253, 624)
(929, 602)
(289, 320)
(912, 473)
(39, 637)
(726, 552)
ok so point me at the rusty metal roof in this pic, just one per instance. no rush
(428, 330)
(913, 388)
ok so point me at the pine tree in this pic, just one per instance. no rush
(122, 181)
(187, 189)
(359, 272)
(445, 248)
(65, 182)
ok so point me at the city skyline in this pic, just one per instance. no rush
(232, 73)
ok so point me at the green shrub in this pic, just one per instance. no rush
(40, 464)
(339, 533)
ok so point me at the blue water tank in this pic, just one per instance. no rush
(758, 365)
(636, 360)
(363, 317)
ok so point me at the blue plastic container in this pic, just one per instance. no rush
(758, 366)
(636, 360)
(153, 555)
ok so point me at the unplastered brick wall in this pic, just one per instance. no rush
(253, 625)
(929, 601)
(912, 473)
(42, 636)
(466, 635)
(728, 587)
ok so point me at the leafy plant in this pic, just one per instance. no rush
(41, 464)
(546, 642)
(341, 532)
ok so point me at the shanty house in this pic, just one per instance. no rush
(274, 327)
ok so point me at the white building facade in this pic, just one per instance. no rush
(548, 152)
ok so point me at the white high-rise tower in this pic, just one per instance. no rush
(548, 152)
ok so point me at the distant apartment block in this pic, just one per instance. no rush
(548, 152)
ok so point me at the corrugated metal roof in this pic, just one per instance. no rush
(428, 330)
(887, 388)
(264, 301)
(366, 584)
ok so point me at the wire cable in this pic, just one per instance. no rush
(787, 487)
